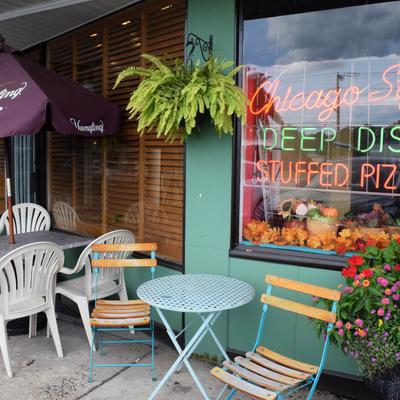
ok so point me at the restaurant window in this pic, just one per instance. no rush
(125, 181)
(319, 151)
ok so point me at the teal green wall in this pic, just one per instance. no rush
(208, 224)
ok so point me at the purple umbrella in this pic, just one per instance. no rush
(33, 97)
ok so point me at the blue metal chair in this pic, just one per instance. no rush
(265, 374)
(116, 315)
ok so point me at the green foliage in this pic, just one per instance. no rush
(169, 99)
(368, 313)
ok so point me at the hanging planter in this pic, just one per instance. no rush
(387, 385)
(171, 99)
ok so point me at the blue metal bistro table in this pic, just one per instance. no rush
(204, 295)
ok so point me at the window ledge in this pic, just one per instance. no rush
(300, 257)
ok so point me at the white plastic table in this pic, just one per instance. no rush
(205, 295)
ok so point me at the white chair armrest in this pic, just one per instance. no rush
(69, 271)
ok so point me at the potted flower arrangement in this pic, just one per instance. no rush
(170, 99)
(368, 323)
(294, 212)
(322, 219)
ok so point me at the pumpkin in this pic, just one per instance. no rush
(330, 212)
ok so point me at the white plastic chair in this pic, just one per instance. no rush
(28, 217)
(111, 281)
(27, 285)
(65, 217)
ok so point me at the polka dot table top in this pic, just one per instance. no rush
(196, 293)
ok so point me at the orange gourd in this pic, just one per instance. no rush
(330, 212)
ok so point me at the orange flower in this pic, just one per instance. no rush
(362, 332)
(356, 283)
(366, 283)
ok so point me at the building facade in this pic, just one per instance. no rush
(321, 132)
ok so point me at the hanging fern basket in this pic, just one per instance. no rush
(172, 99)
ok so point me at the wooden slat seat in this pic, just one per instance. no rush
(120, 313)
(286, 361)
(255, 378)
(259, 376)
(256, 375)
(273, 366)
(100, 322)
(242, 385)
(103, 302)
(266, 373)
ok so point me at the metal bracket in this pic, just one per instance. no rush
(206, 48)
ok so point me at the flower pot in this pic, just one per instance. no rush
(386, 386)
(316, 227)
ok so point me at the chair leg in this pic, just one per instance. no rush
(32, 325)
(48, 333)
(85, 315)
(220, 394)
(4, 347)
(92, 349)
(52, 322)
(123, 294)
(231, 394)
(153, 370)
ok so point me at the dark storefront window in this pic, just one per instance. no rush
(319, 153)
(127, 181)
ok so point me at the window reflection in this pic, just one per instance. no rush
(323, 127)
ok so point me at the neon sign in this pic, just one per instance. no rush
(326, 174)
(313, 139)
(325, 100)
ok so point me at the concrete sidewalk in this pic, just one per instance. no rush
(40, 375)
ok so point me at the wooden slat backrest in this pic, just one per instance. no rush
(117, 263)
(103, 247)
(302, 287)
(123, 263)
(298, 308)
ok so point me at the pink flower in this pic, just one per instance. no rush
(359, 322)
(388, 292)
(348, 325)
(348, 289)
(381, 312)
(339, 324)
(387, 267)
(396, 297)
(385, 301)
(341, 332)
(384, 282)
